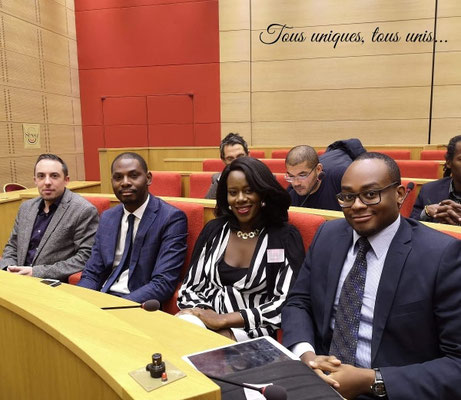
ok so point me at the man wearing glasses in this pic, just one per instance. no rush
(311, 185)
(375, 310)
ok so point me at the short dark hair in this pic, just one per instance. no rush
(54, 157)
(300, 154)
(230, 140)
(451, 147)
(263, 182)
(130, 155)
(392, 167)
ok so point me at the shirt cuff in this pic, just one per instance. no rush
(424, 216)
(300, 348)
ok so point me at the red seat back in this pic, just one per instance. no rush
(276, 165)
(425, 169)
(280, 153)
(397, 154)
(281, 179)
(213, 164)
(101, 203)
(12, 187)
(257, 154)
(195, 215)
(456, 235)
(409, 202)
(307, 225)
(199, 183)
(165, 183)
(433, 155)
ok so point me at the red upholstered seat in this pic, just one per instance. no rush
(307, 225)
(165, 183)
(433, 155)
(407, 206)
(281, 179)
(102, 204)
(194, 213)
(199, 183)
(397, 154)
(213, 164)
(257, 154)
(12, 187)
(425, 169)
(280, 153)
(320, 152)
(275, 164)
(456, 235)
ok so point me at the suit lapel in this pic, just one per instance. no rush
(388, 284)
(111, 241)
(25, 234)
(148, 218)
(339, 253)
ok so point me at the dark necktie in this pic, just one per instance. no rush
(125, 260)
(347, 319)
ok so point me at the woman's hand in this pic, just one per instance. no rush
(213, 320)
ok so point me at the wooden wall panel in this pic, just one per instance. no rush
(449, 8)
(235, 107)
(37, 47)
(443, 129)
(234, 14)
(235, 46)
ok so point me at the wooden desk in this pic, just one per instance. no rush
(58, 344)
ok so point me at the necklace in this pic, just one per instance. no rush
(249, 235)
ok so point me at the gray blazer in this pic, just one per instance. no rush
(66, 244)
(211, 194)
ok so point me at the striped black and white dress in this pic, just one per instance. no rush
(260, 295)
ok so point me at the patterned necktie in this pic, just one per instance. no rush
(347, 319)
(126, 256)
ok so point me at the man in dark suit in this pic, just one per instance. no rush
(140, 244)
(232, 146)
(385, 302)
(53, 233)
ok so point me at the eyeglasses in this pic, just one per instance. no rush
(369, 197)
(301, 177)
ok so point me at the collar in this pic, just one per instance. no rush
(381, 241)
(452, 194)
(53, 206)
(139, 212)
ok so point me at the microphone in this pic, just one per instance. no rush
(408, 189)
(149, 305)
(270, 392)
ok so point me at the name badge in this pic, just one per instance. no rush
(275, 255)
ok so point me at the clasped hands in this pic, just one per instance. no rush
(446, 212)
(348, 380)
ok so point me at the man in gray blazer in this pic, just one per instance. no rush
(52, 234)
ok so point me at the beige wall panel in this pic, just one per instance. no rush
(234, 46)
(71, 161)
(24, 9)
(234, 14)
(80, 167)
(26, 106)
(444, 129)
(70, 4)
(62, 139)
(235, 107)
(447, 102)
(78, 138)
(57, 79)
(77, 114)
(75, 82)
(235, 76)
(18, 142)
(55, 48)
(449, 8)
(59, 109)
(244, 129)
(4, 139)
(353, 104)
(53, 16)
(307, 49)
(23, 71)
(330, 12)
(6, 175)
(20, 36)
(24, 170)
(73, 58)
(321, 133)
(449, 29)
(71, 32)
(448, 69)
(3, 101)
(334, 73)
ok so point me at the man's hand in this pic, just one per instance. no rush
(352, 381)
(446, 212)
(322, 364)
(20, 270)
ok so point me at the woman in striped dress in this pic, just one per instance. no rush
(245, 260)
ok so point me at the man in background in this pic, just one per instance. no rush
(53, 233)
(232, 147)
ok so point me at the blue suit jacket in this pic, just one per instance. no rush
(157, 256)
(431, 193)
(416, 339)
